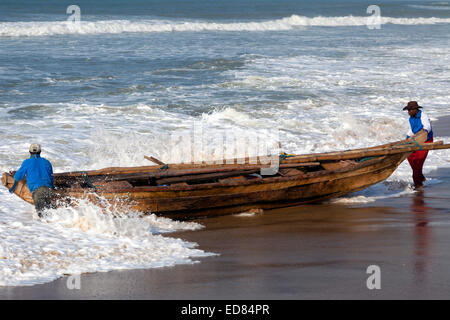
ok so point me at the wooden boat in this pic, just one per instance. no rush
(186, 191)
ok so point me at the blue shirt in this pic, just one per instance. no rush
(418, 122)
(39, 172)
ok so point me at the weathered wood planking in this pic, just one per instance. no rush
(228, 188)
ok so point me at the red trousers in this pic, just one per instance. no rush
(416, 160)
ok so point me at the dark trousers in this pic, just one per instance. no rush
(42, 199)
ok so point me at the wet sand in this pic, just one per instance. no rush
(319, 251)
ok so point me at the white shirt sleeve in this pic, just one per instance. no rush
(410, 133)
(425, 122)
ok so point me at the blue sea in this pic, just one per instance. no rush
(107, 82)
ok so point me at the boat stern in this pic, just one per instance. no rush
(21, 189)
(7, 180)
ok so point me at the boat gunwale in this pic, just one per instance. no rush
(268, 180)
(111, 170)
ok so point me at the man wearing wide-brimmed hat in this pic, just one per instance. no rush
(422, 132)
(39, 174)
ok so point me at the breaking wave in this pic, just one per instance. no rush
(48, 28)
(433, 6)
(86, 238)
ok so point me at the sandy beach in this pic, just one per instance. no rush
(319, 251)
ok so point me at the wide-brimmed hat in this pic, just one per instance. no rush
(412, 105)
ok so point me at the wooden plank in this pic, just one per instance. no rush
(338, 164)
(172, 169)
(367, 153)
(356, 153)
(152, 159)
(175, 173)
(233, 179)
(179, 184)
(290, 172)
(203, 177)
(112, 186)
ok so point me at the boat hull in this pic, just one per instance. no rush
(194, 201)
(280, 192)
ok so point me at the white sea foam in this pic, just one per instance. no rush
(45, 28)
(84, 239)
(391, 188)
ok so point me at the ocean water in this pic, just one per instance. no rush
(115, 86)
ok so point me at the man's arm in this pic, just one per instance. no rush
(13, 188)
(425, 122)
(409, 134)
(50, 172)
(20, 174)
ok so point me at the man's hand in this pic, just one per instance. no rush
(421, 136)
(13, 188)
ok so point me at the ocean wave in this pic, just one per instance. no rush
(433, 6)
(77, 79)
(47, 28)
(87, 238)
(391, 188)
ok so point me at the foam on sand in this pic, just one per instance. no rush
(85, 239)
